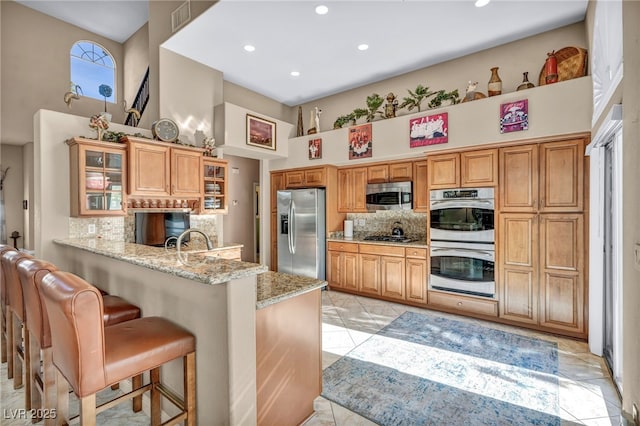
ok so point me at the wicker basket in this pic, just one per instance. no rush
(572, 63)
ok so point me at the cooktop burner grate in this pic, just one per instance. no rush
(390, 238)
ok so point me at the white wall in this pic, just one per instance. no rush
(27, 173)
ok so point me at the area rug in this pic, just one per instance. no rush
(428, 370)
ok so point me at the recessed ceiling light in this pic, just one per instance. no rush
(481, 3)
(249, 47)
(322, 9)
(295, 73)
(363, 46)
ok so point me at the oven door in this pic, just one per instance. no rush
(463, 268)
(462, 220)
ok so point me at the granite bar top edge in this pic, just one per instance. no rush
(207, 270)
(274, 287)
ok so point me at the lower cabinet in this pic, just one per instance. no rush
(342, 265)
(416, 268)
(541, 269)
(369, 266)
(392, 277)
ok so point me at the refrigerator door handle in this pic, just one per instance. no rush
(292, 228)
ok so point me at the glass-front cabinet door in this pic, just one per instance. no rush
(215, 186)
(98, 173)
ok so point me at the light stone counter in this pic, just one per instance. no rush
(274, 287)
(208, 270)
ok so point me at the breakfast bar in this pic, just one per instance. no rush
(235, 309)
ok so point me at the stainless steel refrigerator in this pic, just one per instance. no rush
(301, 232)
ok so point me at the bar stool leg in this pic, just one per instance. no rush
(190, 388)
(88, 410)
(136, 382)
(155, 397)
(3, 339)
(9, 342)
(49, 399)
(26, 355)
(17, 363)
(35, 399)
(62, 394)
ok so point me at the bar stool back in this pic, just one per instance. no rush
(3, 304)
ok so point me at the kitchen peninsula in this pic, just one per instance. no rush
(235, 309)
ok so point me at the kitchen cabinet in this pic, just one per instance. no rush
(352, 188)
(541, 269)
(305, 178)
(342, 270)
(459, 303)
(548, 177)
(215, 198)
(416, 267)
(277, 183)
(390, 172)
(420, 192)
(467, 169)
(369, 267)
(382, 268)
(98, 172)
(163, 169)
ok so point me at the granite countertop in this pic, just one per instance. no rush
(196, 267)
(274, 287)
(419, 242)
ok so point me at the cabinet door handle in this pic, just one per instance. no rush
(459, 303)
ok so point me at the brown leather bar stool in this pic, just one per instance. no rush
(19, 350)
(91, 357)
(3, 304)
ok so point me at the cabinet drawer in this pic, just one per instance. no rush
(340, 246)
(381, 250)
(463, 303)
(419, 253)
(314, 177)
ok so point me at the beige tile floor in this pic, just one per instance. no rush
(587, 395)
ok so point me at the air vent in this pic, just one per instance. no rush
(180, 16)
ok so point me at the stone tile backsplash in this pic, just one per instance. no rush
(413, 224)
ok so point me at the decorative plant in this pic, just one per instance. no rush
(357, 113)
(442, 96)
(106, 91)
(109, 136)
(374, 102)
(415, 98)
(340, 121)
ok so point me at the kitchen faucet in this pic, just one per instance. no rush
(187, 232)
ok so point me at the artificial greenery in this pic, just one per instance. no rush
(374, 102)
(442, 96)
(415, 98)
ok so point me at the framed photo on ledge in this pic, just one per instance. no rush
(261, 132)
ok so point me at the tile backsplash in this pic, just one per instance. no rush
(382, 222)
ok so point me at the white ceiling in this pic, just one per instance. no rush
(288, 35)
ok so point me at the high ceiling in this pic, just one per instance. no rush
(289, 36)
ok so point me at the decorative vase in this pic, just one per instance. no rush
(495, 83)
(526, 84)
(551, 68)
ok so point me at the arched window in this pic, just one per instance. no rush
(93, 66)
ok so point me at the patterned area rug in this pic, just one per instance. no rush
(423, 370)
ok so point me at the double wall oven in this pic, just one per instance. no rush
(462, 241)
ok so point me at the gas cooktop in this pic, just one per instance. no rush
(389, 238)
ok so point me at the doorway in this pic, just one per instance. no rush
(612, 344)
(256, 221)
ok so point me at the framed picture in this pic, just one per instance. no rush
(360, 142)
(429, 130)
(514, 116)
(315, 149)
(261, 132)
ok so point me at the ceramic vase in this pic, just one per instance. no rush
(526, 84)
(551, 68)
(495, 83)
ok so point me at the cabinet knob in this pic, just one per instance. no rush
(459, 303)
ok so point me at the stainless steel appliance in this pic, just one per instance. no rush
(462, 215)
(301, 232)
(153, 229)
(463, 267)
(462, 241)
(389, 196)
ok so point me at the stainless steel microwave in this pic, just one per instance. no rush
(389, 196)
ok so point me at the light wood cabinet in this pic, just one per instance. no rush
(343, 266)
(277, 183)
(392, 277)
(391, 172)
(467, 169)
(416, 267)
(369, 266)
(98, 172)
(352, 187)
(162, 169)
(382, 270)
(420, 191)
(305, 178)
(519, 178)
(463, 304)
(215, 194)
(378, 173)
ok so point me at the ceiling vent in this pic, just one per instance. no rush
(180, 16)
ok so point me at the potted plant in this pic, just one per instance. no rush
(106, 91)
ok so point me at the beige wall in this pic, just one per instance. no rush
(12, 157)
(631, 206)
(35, 70)
(246, 98)
(243, 173)
(512, 59)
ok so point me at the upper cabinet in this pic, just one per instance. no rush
(420, 192)
(98, 172)
(548, 177)
(393, 172)
(467, 169)
(215, 199)
(306, 178)
(352, 187)
(162, 169)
